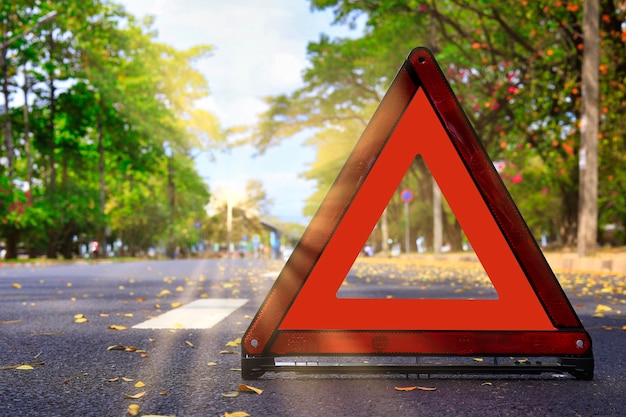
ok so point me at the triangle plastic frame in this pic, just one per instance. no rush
(302, 316)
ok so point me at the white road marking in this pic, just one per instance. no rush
(270, 274)
(200, 314)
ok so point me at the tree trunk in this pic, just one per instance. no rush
(102, 251)
(8, 138)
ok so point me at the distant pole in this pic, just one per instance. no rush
(437, 219)
(407, 240)
(588, 157)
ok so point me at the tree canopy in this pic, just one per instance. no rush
(100, 128)
(515, 66)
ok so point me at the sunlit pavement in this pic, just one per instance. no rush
(72, 326)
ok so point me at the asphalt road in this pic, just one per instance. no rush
(63, 320)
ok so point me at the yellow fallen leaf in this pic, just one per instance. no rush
(230, 394)
(16, 285)
(135, 396)
(79, 316)
(117, 378)
(249, 388)
(116, 327)
(176, 305)
(163, 293)
(180, 288)
(139, 384)
(405, 388)
(81, 320)
(25, 368)
(236, 369)
(478, 359)
(603, 309)
(623, 327)
(427, 388)
(128, 314)
(189, 344)
(127, 379)
(228, 352)
(134, 409)
(235, 414)
(212, 363)
(487, 383)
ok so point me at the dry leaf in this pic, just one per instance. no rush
(116, 347)
(212, 363)
(248, 388)
(163, 393)
(487, 383)
(603, 309)
(145, 355)
(478, 359)
(236, 369)
(427, 388)
(139, 384)
(176, 305)
(405, 388)
(163, 293)
(228, 352)
(134, 409)
(189, 344)
(116, 327)
(230, 394)
(117, 378)
(235, 414)
(135, 396)
(25, 368)
(127, 379)
(16, 285)
(10, 321)
(81, 320)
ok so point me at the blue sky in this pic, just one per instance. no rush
(259, 50)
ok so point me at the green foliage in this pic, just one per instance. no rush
(515, 66)
(103, 140)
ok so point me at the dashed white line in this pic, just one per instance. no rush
(200, 314)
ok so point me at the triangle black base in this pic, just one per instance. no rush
(579, 367)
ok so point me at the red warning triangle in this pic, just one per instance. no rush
(302, 314)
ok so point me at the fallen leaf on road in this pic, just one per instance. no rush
(16, 285)
(405, 388)
(230, 394)
(163, 293)
(139, 384)
(189, 344)
(249, 388)
(20, 365)
(134, 409)
(117, 378)
(10, 321)
(427, 388)
(603, 309)
(116, 347)
(116, 327)
(24, 368)
(487, 383)
(236, 414)
(135, 396)
(176, 305)
(212, 363)
(127, 379)
(228, 352)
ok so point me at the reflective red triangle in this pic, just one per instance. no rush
(419, 115)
